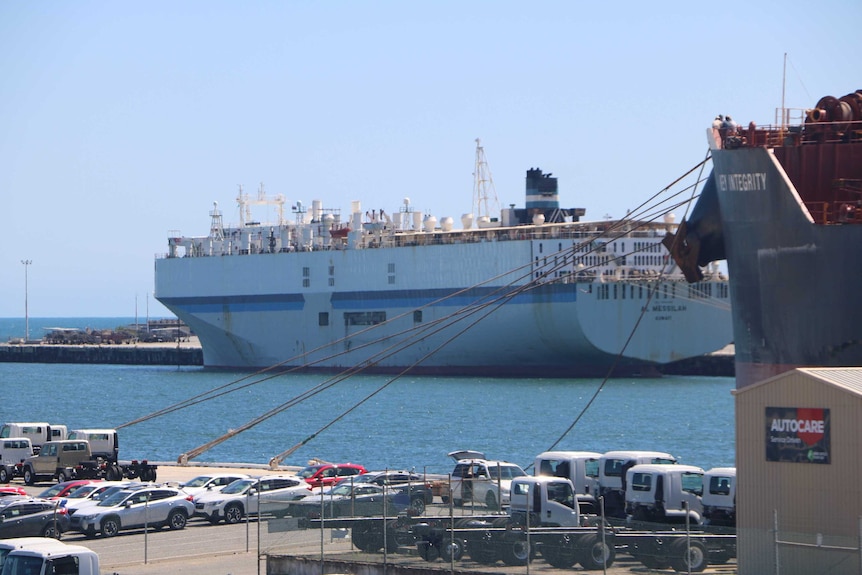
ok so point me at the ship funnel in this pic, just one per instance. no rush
(541, 191)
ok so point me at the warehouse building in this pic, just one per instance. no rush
(799, 473)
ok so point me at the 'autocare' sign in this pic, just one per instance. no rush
(797, 434)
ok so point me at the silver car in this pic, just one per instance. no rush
(127, 509)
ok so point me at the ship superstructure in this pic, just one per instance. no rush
(534, 292)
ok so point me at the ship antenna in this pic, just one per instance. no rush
(485, 201)
(244, 207)
(783, 88)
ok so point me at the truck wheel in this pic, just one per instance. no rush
(595, 554)
(688, 556)
(233, 513)
(452, 549)
(515, 553)
(110, 527)
(560, 553)
(491, 501)
(482, 550)
(653, 562)
(417, 505)
(61, 477)
(4, 475)
(113, 473)
(177, 519)
(29, 477)
(457, 502)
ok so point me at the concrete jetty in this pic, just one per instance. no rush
(188, 353)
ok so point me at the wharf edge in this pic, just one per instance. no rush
(717, 364)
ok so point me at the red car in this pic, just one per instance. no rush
(63, 489)
(326, 474)
(12, 490)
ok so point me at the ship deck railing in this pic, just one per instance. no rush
(802, 134)
(396, 238)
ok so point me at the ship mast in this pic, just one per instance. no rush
(485, 203)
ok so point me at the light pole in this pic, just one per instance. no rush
(26, 311)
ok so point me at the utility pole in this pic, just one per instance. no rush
(26, 303)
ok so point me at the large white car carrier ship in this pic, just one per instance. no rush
(528, 292)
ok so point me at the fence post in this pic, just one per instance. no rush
(775, 538)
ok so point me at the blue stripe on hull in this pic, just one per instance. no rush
(559, 293)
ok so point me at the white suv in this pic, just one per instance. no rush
(210, 482)
(153, 506)
(271, 493)
(484, 481)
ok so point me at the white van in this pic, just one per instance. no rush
(104, 443)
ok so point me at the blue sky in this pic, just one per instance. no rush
(122, 121)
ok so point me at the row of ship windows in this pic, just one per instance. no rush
(363, 318)
(586, 247)
(694, 291)
(306, 276)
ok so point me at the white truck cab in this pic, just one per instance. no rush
(42, 560)
(551, 502)
(13, 451)
(665, 493)
(38, 433)
(612, 475)
(719, 496)
(581, 467)
(104, 443)
(9, 545)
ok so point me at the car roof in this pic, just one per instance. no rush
(460, 454)
(659, 468)
(280, 476)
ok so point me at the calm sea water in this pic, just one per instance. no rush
(412, 423)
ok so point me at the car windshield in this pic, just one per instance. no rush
(309, 471)
(107, 492)
(52, 491)
(340, 489)
(506, 471)
(366, 478)
(83, 491)
(115, 498)
(239, 486)
(198, 481)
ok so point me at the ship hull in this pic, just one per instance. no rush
(795, 282)
(458, 309)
